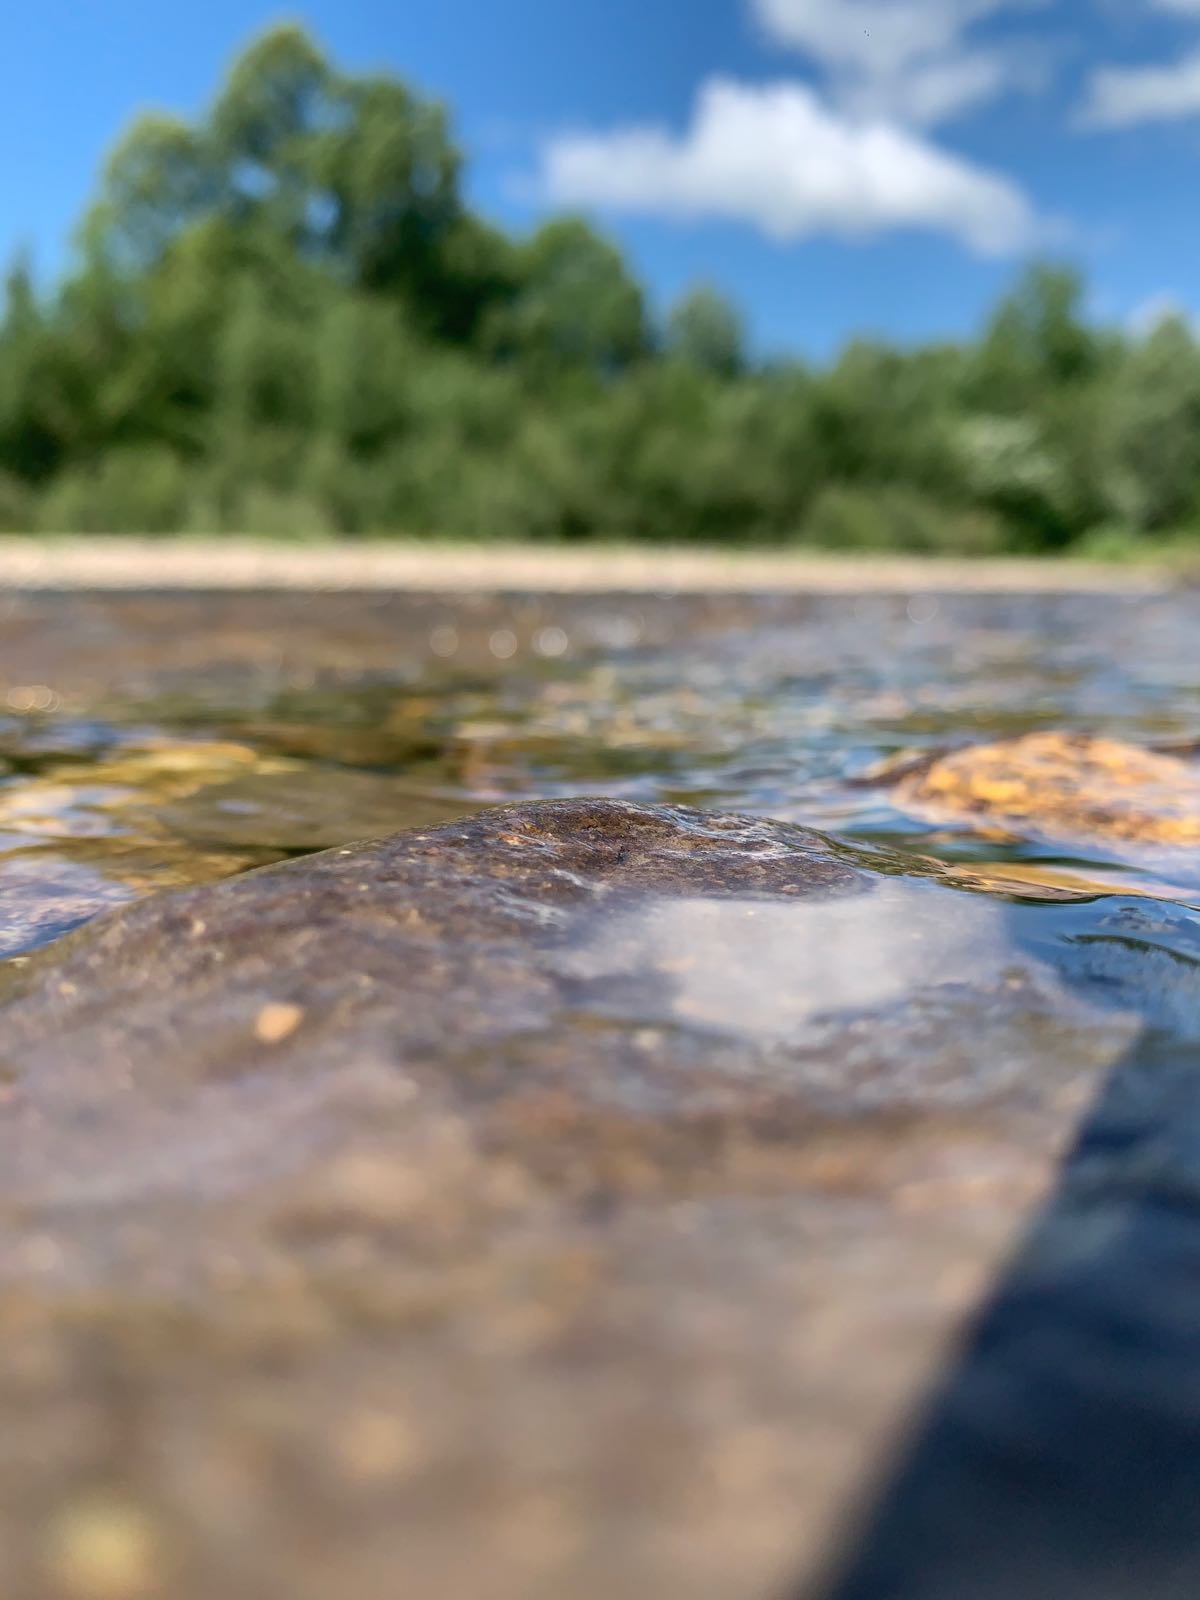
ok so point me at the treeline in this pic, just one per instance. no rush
(284, 320)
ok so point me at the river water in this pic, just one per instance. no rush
(151, 742)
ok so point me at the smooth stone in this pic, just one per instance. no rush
(573, 1200)
(1061, 786)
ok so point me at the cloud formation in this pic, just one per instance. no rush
(779, 158)
(1122, 97)
(907, 60)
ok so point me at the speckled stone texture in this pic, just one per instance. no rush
(569, 1201)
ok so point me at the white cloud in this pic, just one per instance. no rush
(780, 159)
(1121, 97)
(933, 91)
(871, 35)
(1124, 97)
(908, 60)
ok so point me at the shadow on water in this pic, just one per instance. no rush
(1060, 1458)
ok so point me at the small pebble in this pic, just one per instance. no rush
(277, 1021)
(104, 1550)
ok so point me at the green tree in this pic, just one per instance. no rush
(705, 331)
(574, 306)
(1036, 340)
(1155, 430)
(34, 424)
(282, 316)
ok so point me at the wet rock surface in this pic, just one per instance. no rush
(561, 1202)
(1065, 785)
(1058, 1454)
(579, 1199)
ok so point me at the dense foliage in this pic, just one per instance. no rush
(285, 320)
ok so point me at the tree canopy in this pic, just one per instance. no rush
(284, 318)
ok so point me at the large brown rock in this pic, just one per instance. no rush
(570, 1201)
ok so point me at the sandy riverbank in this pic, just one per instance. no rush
(132, 564)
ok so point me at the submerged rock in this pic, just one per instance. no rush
(114, 796)
(309, 808)
(1061, 785)
(566, 1201)
(80, 836)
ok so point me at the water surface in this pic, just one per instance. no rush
(891, 1074)
(150, 741)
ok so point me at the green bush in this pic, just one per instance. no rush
(17, 508)
(134, 488)
(896, 518)
(1114, 541)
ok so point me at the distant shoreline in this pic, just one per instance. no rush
(243, 564)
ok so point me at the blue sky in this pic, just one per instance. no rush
(837, 166)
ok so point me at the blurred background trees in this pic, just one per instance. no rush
(285, 320)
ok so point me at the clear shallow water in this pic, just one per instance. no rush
(154, 741)
(912, 1092)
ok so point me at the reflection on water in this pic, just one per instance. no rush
(772, 971)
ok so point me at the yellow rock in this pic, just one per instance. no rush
(277, 1021)
(1037, 880)
(71, 800)
(105, 1550)
(1064, 785)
